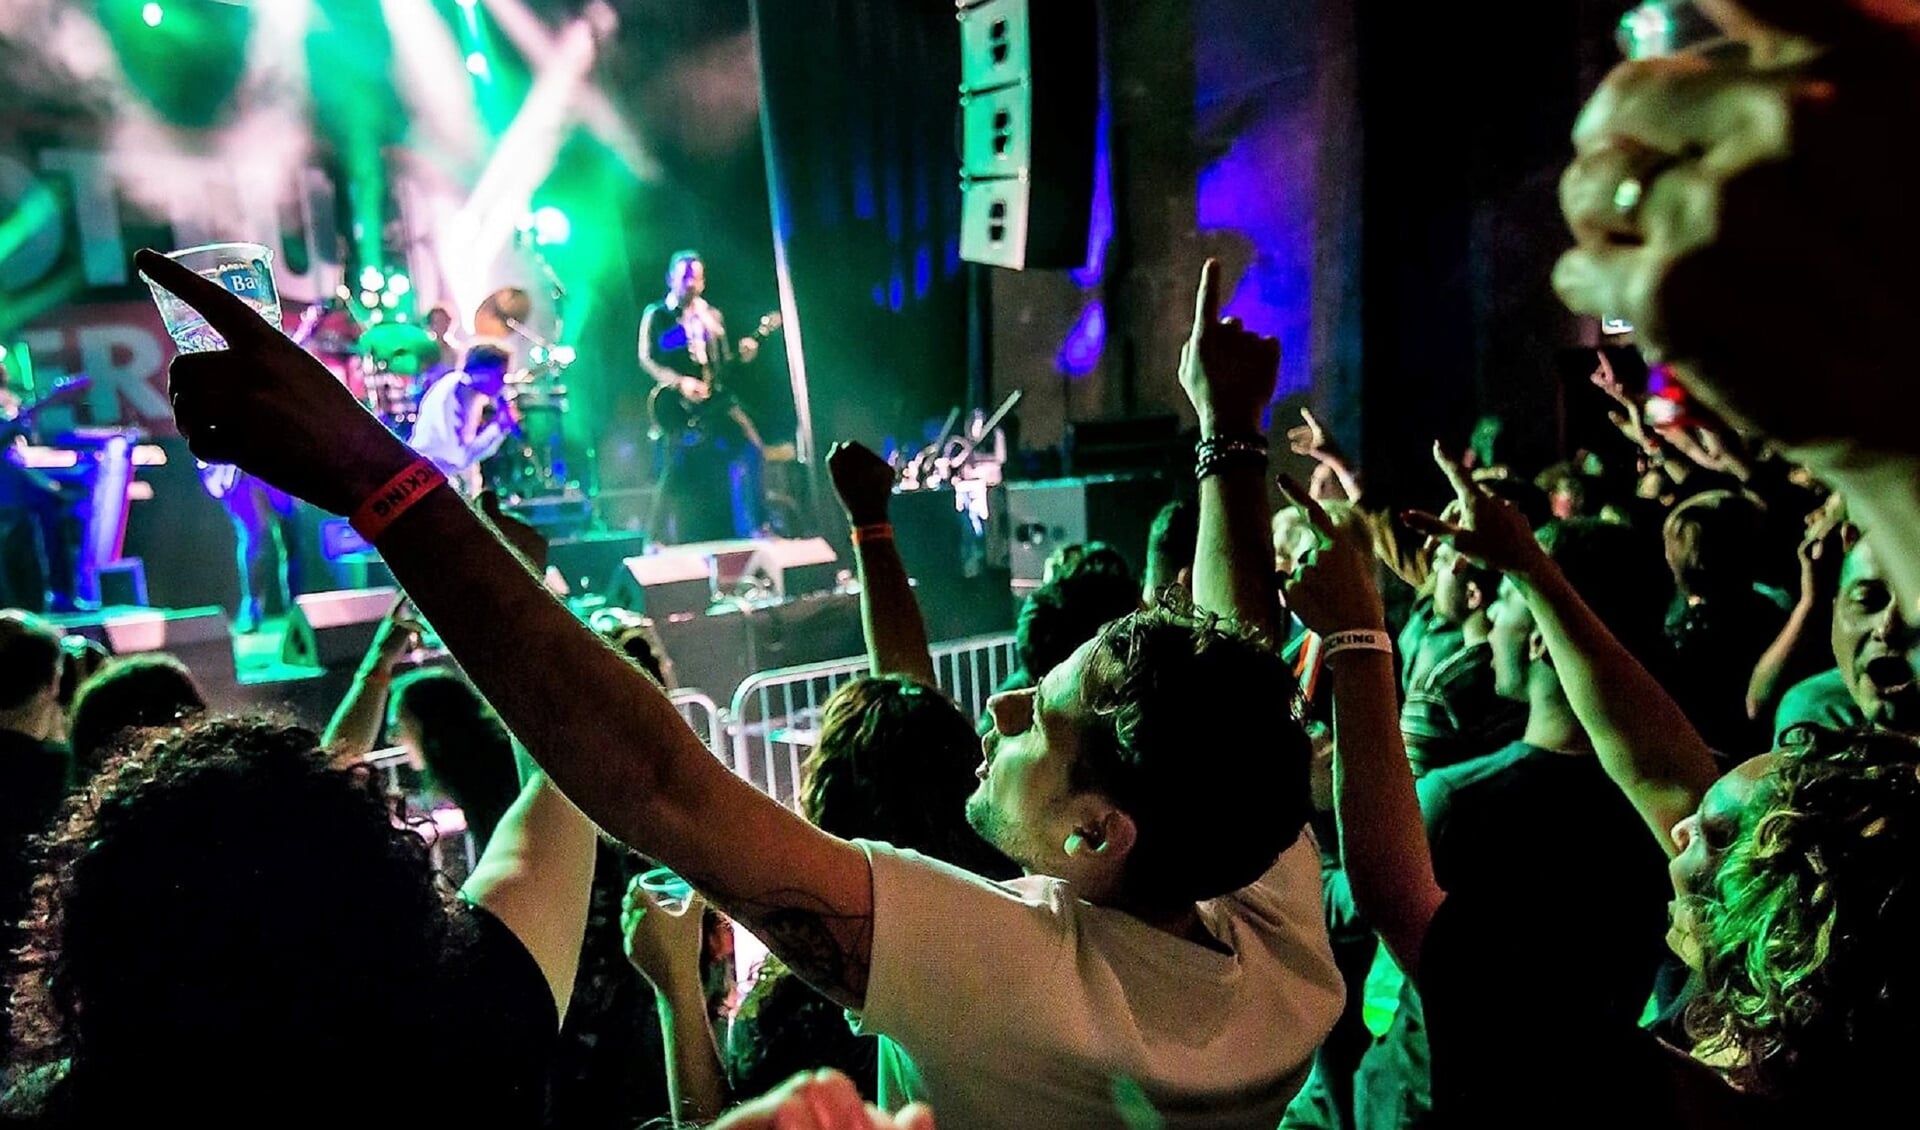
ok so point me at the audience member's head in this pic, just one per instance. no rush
(1874, 645)
(30, 664)
(1807, 922)
(635, 637)
(82, 659)
(221, 921)
(438, 716)
(130, 693)
(1088, 589)
(1462, 590)
(1615, 569)
(1171, 543)
(895, 762)
(1715, 542)
(1142, 770)
(1293, 538)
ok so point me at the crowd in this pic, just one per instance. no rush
(1591, 798)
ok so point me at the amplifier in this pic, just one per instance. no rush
(1044, 516)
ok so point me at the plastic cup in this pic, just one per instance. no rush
(1666, 27)
(244, 269)
(668, 889)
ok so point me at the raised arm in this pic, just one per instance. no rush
(890, 619)
(605, 734)
(356, 725)
(1641, 735)
(1383, 840)
(1229, 375)
(665, 948)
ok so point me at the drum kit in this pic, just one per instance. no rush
(397, 361)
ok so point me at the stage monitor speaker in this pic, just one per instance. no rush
(197, 637)
(333, 629)
(1029, 97)
(1045, 516)
(675, 582)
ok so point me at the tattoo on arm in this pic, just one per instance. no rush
(828, 947)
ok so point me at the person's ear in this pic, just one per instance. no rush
(1110, 833)
(1475, 596)
(1537, 649)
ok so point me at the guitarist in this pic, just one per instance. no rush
(709, 477)
(36, 545)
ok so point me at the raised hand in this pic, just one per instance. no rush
(1229, 373)
(269, 407)
(822, 1100)
(1486, 528)
(660, 943)
(862, 480)
(1332, 587)
(1771, 188)
(1309, 439)
(399, 632)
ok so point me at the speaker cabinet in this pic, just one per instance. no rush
(333, 629)
(1029, 96)
(1046, 516)
(197, 637)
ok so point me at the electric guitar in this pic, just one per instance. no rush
(669, 412)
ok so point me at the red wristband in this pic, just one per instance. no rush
(396, 497)
(876, 531)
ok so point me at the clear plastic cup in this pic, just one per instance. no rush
(244, 269)
(1666, 27)
(668, 889)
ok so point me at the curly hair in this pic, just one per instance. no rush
(1216, 794)
(1811, 985)
(895, 763)
(220, 912)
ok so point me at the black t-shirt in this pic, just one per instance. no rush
(1554, 836)
(1511, 1048)
(472, 1048)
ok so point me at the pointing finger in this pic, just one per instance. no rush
(1463, 484)
(1206, 309)
(232, 318)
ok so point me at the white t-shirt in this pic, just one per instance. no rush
(1011, 1005)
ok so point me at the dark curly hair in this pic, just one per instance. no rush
(1093, 588)
(133, 692)
(1811, 983)
(219, 917)
(895, 763)
(465, 746)
(1216, 784)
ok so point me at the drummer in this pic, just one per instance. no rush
(394, 355)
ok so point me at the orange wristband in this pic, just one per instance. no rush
(396, 497)
(878, 531)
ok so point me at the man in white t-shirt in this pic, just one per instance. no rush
(1169, 949)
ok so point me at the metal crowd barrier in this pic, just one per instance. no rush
(774, 717)
(702, 716)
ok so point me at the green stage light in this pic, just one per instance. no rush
(372, 279)
(369, 298)
(390, 300)
(153, 14)
(377, 317)
(399, 283)
(477, 65)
